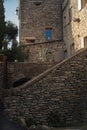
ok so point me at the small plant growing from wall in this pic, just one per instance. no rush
(54, 119)
(30, 121)
(16, 120)
(84, 127)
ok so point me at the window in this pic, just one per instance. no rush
(81, 4)
(29, 39)
(82, 42)
(72, 49)
(48, 33)
(85, 41)
(37, 3)
(65, 54)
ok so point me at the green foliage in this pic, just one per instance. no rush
(84, 127)
(11, 31)
(16, 119)
(4, 43)
(54, 120)
(14, 54)
(29, 121)
(2, 23)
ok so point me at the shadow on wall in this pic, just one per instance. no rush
(68, 39)
(19, 73)
(20, 81)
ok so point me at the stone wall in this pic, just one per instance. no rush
(67, 27)
(26, 71)
(36, 18)
(1, 78)
(62, 88)
(3, 74)
(45, 52)
(79, 30)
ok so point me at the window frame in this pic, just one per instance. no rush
(81, 4)
(51, 32)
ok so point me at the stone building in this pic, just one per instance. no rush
(74, 25)
(40, 29)
(40, 20)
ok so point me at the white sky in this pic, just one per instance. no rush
(10, 10)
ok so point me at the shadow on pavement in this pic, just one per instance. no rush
(5, 122)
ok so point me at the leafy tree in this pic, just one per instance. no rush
(2, 23)
(11, 31)
(14, 54)
(4, 44)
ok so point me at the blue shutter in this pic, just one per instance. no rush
(48, 33)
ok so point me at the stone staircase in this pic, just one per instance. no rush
(61, 89)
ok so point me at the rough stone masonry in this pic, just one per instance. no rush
(37, 17)
(1, 78)
(63, 89)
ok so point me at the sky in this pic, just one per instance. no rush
(10, 10)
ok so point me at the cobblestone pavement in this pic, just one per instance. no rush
(5, 122)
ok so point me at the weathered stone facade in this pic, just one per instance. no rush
(3, 75)
(19, 71)
(38, 17)
(45, 52)
(74, 25)
(63, 88)
(1, 78)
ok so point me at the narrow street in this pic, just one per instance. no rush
(6, 123)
